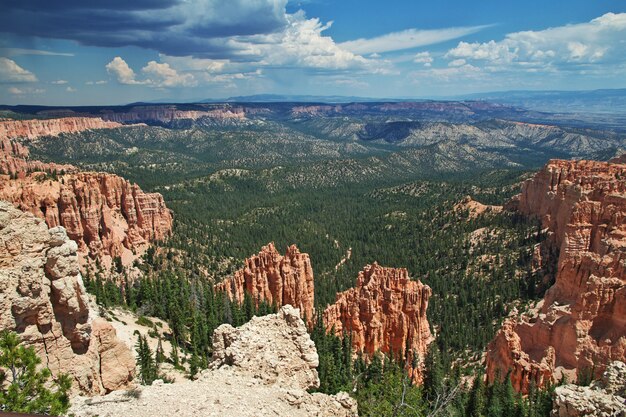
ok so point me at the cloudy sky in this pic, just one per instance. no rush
(121, 51)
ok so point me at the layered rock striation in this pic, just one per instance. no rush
(105, 214)
(43, 299)
(385, 312)
(580, 325)
(263, 368)
(275, 279)
(15, 162)
(166, 114)
(34, 128)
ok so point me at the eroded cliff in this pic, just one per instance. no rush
(580, 325)
(43, 299)
(386, 312)
(34, 128)
(276, 279)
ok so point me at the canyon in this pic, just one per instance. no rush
(45, 302)
(580, 325)
(104, 214)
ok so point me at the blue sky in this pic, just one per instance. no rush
(72, 52)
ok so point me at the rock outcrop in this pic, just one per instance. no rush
(263, 368)
(105, 214)
(386, 312)
(43, 299)
(605, 397)
(581, 323)
(15, 162)
(275, 279)
(165, 114)
(34, 128)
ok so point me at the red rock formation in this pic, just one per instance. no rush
(105, 214)
(276, 279)
(386, 312)
(14, 161)
(170, 113)
(34, 128)
(581, 323)
(43, 299)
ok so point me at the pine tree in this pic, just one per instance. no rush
(148, 368)
(434, 373)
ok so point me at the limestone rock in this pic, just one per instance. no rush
(43, 299)
(34, 128)
(14, 161)
(276, 279)
(581, 323)
(165, 114)
(104, 214)
(386, 311)
(605, 397)
(262, 368)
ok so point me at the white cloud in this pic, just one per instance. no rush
(16, 91)
(410, 38)
(22, 91)
(162, 75)
(423, 58)
(59, 82)
(10, 72)
(600, 40)
(120, 70)
(457, 63)
(70, 89)
(23, 51)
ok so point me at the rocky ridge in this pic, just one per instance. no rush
(166, 114)
(605, 397)
(44, 301)
(34, 128)
(386, 312)
(276, 279)
(15, 161)
(263, 368)
(580, 324)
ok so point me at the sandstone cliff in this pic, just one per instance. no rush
(167, 114)
(34, 128)
(263, 368)
(581, 323)
(386, 311)
(105, 214)
(276, 279)
(15, 162)
(605, 397)
(43, 299)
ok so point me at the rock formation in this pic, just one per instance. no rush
(581, 323)
(386, 311)
(263, 368)
(34, 128)
(43, 299)
(167, 114)
(105, 214)
(15, 162)
(276, 279)
(605, 397)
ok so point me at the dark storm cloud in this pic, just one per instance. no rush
(202, 28)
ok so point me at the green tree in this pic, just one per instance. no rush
(148, 368)
(23, 386)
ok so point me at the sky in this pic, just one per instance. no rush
(76, 52)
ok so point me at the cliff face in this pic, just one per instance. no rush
(35, 128)
(581, 323)
(14, 161)
(43, 299)
(264, 367)
(276, 279)
(105, 214)
(386, 311)
(170, 113)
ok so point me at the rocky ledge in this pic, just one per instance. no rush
(263, 368)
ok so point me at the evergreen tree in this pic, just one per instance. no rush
(148, 368)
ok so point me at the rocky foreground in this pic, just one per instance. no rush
(263, 368)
